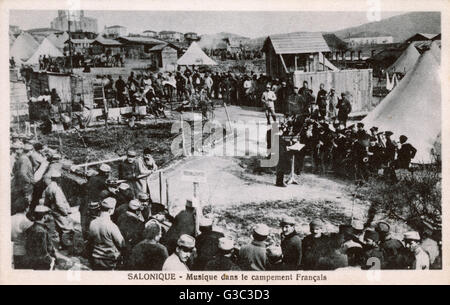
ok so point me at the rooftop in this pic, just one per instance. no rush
(297, 43)
(137, 39)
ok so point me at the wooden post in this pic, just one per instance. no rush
(160, 187)
(196, 204)
(182, 135)
(167, 194)
(228, 116)
(35, 131)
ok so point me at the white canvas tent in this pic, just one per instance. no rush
(23, 47)
(59, 40)
(436, 50)
(46, 48)
(413, 108)
(406, 61)
(194, 56)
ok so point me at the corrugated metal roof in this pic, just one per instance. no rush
(107, 42)
(428, 35)
(298, 43)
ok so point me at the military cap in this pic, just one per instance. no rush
(360, 124)
(94, 205)
(189, 204)
(226, 244)
(27, 147)
(332, 89)
(38, 146)
(147, 151)
(357, 225)
(109, 203)
(388, 133)
(131, 153)
(374, 128)
(124, 186)
(186, 241)
(287, 220)
(316, 223)
(411, 235)
(373, 235)
(105, 168)
(112, 182)
(205, 222)
(274, 252)
(382, 227)
(41, 209)
(261, 229)
(403, 138)
(143, 196)
(373, 139)
(157, 208)
(134, 205)
(55, 156)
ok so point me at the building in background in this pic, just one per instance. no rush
(78, 22)
(115, 31)
(150, 34)
(171, 36)
(191, 36)
(14, 30)
(368, 39)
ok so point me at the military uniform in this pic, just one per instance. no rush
(107, 243)
(55, 199)
(312, 249)
(40, 252)
(207, 247)
(147, 255)
(391, 250)
(221, 263)
(173, 263)
(292, 251)
(131, 226)
(184, 223)
(253, 256)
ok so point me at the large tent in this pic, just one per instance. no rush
(46, 48)
(23, 47)
(413, 108)
(194, 56)
(436, 50)
(58, 39)
(406, 61)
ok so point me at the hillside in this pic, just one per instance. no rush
(213, 40)
(400, 27)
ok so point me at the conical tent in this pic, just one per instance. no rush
(436, 50)
(406, 61)
(23, 47)
(46, 48)
(194, 56)
(413, 108)
(58, 40)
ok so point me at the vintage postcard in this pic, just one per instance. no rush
(224, 142)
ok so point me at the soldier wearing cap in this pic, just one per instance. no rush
(124, 195)
(291, 244)
(390, 246)
(94, 187)
(179, 259)
(128, 170)
(313, 245)
(421, 258)
(149, 254)
(105, 239)
(54, 166)
(223, 260)
(23, 179)
(184, 223)
(131, 224)
(344, 108)
(144, 199)
(373, 255)
(207, 243)
(55, 199)
(40, 253)
(145, 166)
(253, 256)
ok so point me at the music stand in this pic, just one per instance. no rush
(296, 147)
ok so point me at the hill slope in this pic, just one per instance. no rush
(400, 27)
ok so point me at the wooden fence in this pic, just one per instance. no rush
(358, 82)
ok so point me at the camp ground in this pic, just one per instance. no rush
(171, 138)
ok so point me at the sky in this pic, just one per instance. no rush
(249, 24)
